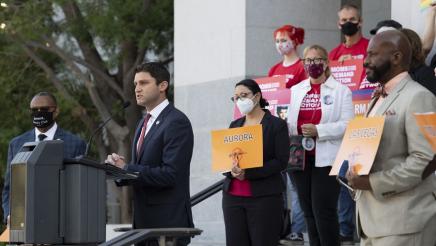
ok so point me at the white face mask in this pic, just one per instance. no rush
(284, 47)
(245, 105)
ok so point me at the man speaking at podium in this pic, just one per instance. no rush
(161, 154)
(44, 111)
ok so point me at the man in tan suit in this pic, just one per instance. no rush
(397, 202)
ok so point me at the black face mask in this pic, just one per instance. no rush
(42, 119)
(349, 28)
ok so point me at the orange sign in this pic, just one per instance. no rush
(359, 145)
(4, 237)
(244, 144)
(427, 124)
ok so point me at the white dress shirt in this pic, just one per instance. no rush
(155, 113)
(50, 133)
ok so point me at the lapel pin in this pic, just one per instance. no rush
(328, 100)
(157, 122)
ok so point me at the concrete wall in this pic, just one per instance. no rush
(373, 12)
(209, 41)
(263, 17)
(209, 57)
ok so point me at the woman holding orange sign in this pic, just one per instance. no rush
(320, 110)
(252, 198)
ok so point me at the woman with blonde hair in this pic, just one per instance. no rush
(320, 110)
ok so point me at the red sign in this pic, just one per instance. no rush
(272, 83)
(348, 72)
(275, 92)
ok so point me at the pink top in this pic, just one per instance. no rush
(240, 187)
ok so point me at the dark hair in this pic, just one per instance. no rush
(47, 94)
(351, 6)
(281, 107)
(418, 57)
(157, 70)
(254, 88)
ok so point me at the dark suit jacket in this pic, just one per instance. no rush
(73, 146)
(267, 180)
(161, 193)
(425, 76)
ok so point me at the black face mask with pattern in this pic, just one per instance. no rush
(42, 119)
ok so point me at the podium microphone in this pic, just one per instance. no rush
(88, 144)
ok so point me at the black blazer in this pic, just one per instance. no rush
(161, 193)
(267, 180)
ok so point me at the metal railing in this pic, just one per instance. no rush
(206, 193)
(165, 236)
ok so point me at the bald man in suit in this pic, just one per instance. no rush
(397, 205)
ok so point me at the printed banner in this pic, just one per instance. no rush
(361, 100)
(244, 144)
(272, 83)
(275, 92)
(360, 144)
(348, 72)
(427, 124)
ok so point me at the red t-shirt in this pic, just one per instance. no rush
(294, 73)
(240, 187)
(310, 109)
(357, 51)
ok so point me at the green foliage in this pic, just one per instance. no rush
(20, 80)
(108, 34)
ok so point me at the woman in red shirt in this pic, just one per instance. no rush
(252, 198)
(287, 39)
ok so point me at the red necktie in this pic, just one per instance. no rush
(141, 136)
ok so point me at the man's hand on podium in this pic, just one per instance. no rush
(116, 160)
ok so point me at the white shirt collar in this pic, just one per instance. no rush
(155, 113)
(50, 133)
(158, 109)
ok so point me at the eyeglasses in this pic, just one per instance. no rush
(41, 109)
(317, 60)
(242, 96)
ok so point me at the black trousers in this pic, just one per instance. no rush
(318, 193)
(253, 221)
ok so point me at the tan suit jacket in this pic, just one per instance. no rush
(400, 201)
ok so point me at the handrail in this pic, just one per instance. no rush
(163, 235)
(137, 235)
(206, 193)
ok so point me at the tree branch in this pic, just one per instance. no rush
(59, 86)
(114, 128)
(85, 40)
(53, 48)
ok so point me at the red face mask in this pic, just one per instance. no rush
(314, 70)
